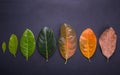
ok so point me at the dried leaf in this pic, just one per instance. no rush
(67, 41)
(46, 43)
(107, 42)
(88, 43)
(13, 44)
(27, 43)
(4, 47)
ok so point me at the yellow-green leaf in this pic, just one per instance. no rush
(4, 47)
(13, 44)
(88, 43)
(27, 43)
(67, 41)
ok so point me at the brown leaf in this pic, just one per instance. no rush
(67, 41)
(88, 43)
(107, 42)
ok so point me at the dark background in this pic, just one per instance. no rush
(17, 15)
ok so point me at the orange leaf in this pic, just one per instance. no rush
(88, 43)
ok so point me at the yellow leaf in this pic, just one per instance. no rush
(67, 41)
(88, 43)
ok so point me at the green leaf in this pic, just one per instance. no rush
(27, 43)
(13, 44)
(4, 47)
(46, 43)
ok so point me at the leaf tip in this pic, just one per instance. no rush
(27, 29)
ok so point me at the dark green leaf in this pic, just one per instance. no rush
(46, 42)
(27, 43)
(13, 44)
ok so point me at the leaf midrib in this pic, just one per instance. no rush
(88, 46)
(27, 46)
(46, 48)
(66, 56)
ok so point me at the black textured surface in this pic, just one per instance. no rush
(17, 15)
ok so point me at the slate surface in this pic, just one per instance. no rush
(17, 15)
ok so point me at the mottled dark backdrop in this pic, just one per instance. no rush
(17, 15)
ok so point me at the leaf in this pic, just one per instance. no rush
(88, 43)
(13, 44)
(4, 47)
(27, 43)
(46, 43)
(107, 42)
(67, 41)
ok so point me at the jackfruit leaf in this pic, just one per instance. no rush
(46, 43)
(88, 43)
(27, 43)
(13, 44)
(107, 42)
(4, 47)
(67, 41)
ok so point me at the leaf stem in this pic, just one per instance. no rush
(27, 58)
(89, 60)
(66, 61)
(107, 60)
(46, 60)
(14, 55)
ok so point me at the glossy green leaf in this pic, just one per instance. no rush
(27, 43)
(46, 43)
(13, 44)
(4, 47)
